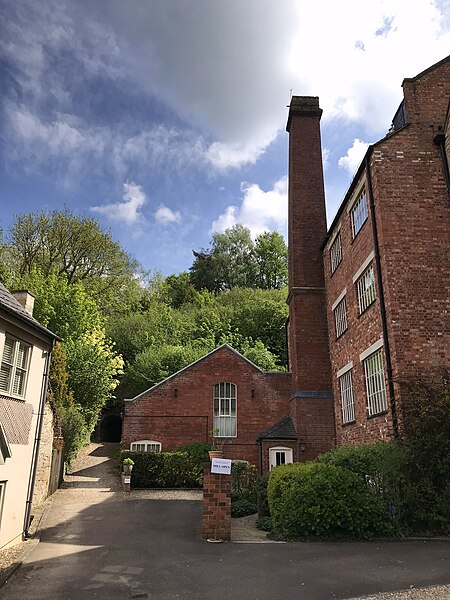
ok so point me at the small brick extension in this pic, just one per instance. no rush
(216, 518)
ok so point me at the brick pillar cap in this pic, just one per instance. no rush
(303, 106)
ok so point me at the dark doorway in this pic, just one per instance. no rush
(111, 429)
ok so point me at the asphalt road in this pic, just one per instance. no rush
(119, 549)
(99, 543)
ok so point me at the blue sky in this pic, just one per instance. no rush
(165, 120)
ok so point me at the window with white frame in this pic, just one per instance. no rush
(347, 401)
(336, 253)
(365, 288)
(224, 409)
(340, 317)
(375, 386)
(279, 456)
(14, 367)
(359, 213)
(146, 446)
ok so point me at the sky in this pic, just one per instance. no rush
(165, 119)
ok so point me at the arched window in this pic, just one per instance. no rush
(146, 446)
(225, 410)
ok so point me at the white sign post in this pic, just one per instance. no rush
(221, 466)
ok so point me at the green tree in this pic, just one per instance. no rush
(93, 370)
(180, 289)
(272, 259)
(76, 248)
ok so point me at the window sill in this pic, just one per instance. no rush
(366, 309)
(338, 337)
(380, 414)
(5, 394)
(348, 423)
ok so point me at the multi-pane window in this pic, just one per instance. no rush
(365, 287)
(375, 387)
(340, 317)
(14, 367)
(359, 213)
(336, 253)
(347, 401)
(146, 446)
(224, 409)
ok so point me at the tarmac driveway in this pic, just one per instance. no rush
(117, 547)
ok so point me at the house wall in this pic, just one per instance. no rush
(19, 419)
(412, 217)
(180, 410)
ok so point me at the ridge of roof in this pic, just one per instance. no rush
(191, 365)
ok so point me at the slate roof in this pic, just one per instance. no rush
(10, 305)
(283, 430)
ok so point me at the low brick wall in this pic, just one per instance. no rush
(216, 518)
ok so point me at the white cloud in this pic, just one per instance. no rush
(354, 156)
(165, 215)
(259, 210)
(129, 210)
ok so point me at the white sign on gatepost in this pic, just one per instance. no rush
(221, 465)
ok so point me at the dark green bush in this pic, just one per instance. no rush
(314, 500)
(244, 477)
(242, 508)
(164, 470)
(264, 523)
(263, 502)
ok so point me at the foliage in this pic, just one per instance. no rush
(244, 477)
(128, 461)
(155, 363)
(264, 523)
(197, 451)
(242, 508)
(426, 443)
(164, 470)
(235, 260)
(60, 397)
(261, 491)
(61, 243)
(93, 369)
(379, 465)
(316, 500)
(271, 256)
(180, 289)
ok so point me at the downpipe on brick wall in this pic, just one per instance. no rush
(387, 349)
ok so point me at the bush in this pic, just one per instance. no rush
(242, 508)
(244, 477)
(197, 452)
(314, 500)
(264, 523)
(164, 470)
(263, 502)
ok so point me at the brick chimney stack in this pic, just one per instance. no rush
(311, 401)
(25, 299)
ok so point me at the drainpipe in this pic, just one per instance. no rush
(439, 140)
(37, 441)
(387, 349)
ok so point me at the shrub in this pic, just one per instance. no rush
(242, 508)
(263, 503)
(314, 500)
(197, 452)
(264, 523)
(164, 470)
(244, 477)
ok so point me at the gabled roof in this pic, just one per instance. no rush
(10, 305)
(283, 430)
(193, 364)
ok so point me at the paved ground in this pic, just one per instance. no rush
(97, 542)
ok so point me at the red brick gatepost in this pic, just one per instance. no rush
(216, 518)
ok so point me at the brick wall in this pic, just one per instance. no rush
(216, 517)
(180, 410)
(412, 217)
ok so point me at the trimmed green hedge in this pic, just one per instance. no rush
(164, 470)
(313, 500)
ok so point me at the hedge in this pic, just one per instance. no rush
(164, 470)
(314, 500)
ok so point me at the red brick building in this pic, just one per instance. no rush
(368, 302)
(387, 265)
